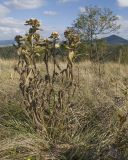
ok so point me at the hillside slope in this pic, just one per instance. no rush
(115, 40)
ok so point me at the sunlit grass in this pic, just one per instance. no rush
(97, 112)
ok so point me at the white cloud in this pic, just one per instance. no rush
(10, 33)
(50, 13)
(66, 1)
(47, 30)
(24, 4)
(3, 10)
(11, 22)
(123, 3)
(10, 27)
(124, 27)
(52, 29)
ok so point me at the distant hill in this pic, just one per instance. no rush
(6, 42)
(115, 40)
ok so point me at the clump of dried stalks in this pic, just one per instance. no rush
(47, 97)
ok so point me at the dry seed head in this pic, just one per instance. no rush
(71, 36)
(54, 35)
(33, 22)
(72, 39)
(67, 32)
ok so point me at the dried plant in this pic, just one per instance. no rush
(47, 97)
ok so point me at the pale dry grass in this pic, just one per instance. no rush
(96, 112)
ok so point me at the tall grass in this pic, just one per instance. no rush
(98, 117)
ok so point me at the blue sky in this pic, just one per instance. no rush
(55, 15)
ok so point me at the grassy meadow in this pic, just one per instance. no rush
(99, 123)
